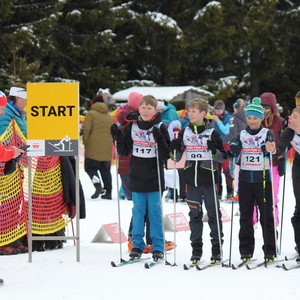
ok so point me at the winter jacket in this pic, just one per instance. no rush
(277, 125)
(96, 137)
(222, 126)
(13, 112)
(237, 124)
(124, 161)
(199, 172)
(249, 175)
(284, 142)
(169, 114)
(143, 172)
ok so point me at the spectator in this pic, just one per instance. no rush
(221, 120)
(98, 148)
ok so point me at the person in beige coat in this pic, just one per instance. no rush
(98, 142)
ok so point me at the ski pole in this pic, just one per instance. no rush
(118, 199)
(175, 133)
(282, 205)
(216, 204)
(160, 200)
(231, 225)
(270, 139)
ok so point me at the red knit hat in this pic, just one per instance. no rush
(134, 99)
(3, 99)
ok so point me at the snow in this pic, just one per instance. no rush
(57, 275)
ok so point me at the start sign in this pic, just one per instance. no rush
(53, 119)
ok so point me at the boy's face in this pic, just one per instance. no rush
(253, 122)
(147, 112)
(196, 116)
(294, 121)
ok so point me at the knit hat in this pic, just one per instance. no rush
(239, 104)
(255, 108)
(134, 99)
(3, 99)
(18, 92)
(160, 104)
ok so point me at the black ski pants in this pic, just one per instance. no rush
(250, 194)
(195, 197)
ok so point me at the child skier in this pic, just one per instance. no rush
(201, 144)
(254, 182)
(291, 137)
(142, 137)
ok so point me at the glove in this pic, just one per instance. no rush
(264, 150)
(115, 131)
(175, 145)
(157, 134)
(234, 149)
(11, 165)
(211, 146)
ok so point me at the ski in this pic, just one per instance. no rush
(291, 267)
(211, 264)
(262, 264)
(127, 262)
(292, 257)
(241, 264)
(190, 266)
(1, 282)
(151, 264)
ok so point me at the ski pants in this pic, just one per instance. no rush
(92, 167)
(250, 193)
(296, 217)
(142, 202)
(195, 197)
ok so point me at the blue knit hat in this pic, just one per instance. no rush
(255, 108)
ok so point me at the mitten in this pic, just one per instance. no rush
(115, 131)
(234, 149)
(175, 145)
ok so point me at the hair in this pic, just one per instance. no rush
(297, 98)
(13, 99)
(296, 110)
(219, 103)
(239, 104)
(198, 103)
(297, 95)
(149, 100)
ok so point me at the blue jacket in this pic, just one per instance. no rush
(223, 125)
(169, 114)
(13, 112)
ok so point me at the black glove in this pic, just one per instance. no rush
(264, 150)
(115, 131)
(211, 146)
(11, 165)
(175, 145)
(157, 134)
(234, 149)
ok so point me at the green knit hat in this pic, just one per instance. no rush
(255, 108)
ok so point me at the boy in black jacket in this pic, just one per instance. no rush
(254, 182)
(201, 144)
(291, 138)
(142, 137)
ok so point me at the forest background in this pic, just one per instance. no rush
(231, 48)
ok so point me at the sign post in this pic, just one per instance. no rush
(53, 130)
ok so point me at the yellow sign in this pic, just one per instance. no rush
(53, 118)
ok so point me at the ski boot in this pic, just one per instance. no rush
(157, 255)
(135, 253)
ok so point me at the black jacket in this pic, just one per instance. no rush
(199, 172)
(143, 172)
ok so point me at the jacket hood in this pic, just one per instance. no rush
(269, 99)
(100, 107)
(122, 117)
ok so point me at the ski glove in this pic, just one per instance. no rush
(175, 145)
(234, 149)
(157, 134)
(212, 147)
(115, 131)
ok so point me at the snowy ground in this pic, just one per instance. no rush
(57, 275)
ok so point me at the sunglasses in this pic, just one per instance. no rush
(266, 106)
